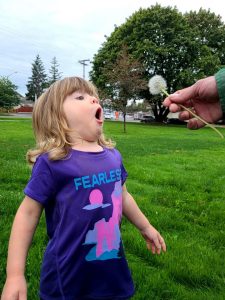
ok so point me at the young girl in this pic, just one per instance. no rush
(79, 180)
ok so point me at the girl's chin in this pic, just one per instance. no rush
(95, 137)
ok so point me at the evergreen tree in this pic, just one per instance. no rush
(38, 80)
(54, 72)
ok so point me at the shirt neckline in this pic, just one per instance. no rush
(89, 152)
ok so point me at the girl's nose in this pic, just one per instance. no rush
(94, 100)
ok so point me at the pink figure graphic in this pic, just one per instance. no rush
(106, 235)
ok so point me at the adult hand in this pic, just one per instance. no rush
(202, 97)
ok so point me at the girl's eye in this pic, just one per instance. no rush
(80, 98)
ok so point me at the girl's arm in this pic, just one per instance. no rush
(24, 225)
(154, 240)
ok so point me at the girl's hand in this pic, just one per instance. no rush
(154, 240)
(15, 288)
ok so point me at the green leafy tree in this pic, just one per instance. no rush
(124, 80)
(209, 30)
(8, 94)
(38, 80)
(163, 40)
(54, 72)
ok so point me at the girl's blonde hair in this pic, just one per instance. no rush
(49, 122)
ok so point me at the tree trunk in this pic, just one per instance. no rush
(160, 112)
(124, 123)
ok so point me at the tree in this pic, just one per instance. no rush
(124, 79)
(209, 30)
(8, 94)
(164, 42)
(54, 72)
(38, 80)
(138, 107)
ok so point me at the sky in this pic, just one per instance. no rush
(69, 30)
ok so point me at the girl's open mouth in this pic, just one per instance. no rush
(98, 114)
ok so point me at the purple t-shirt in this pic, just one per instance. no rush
(82, 197)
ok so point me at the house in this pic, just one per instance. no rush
(24, 106)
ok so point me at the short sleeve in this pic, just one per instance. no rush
(124, 174)
(41, 185)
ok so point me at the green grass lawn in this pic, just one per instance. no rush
(177, 176)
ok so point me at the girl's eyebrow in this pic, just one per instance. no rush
(80, 92)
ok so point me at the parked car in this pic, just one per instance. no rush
(138, 115)
(175, 121)
(147, 119)
(108, 116)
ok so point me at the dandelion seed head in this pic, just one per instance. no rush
(156, 84)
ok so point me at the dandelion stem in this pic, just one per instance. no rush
(196, 116)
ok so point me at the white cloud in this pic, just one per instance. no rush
(70, 30)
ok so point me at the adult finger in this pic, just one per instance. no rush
(185, 115)
(195, 124)
(183, 95)
(174, 108)
(167, 102)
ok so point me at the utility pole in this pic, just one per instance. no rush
(84, 63)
